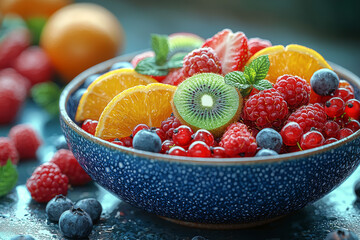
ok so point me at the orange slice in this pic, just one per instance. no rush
(293, 59)
(141, 104)
(104, 89)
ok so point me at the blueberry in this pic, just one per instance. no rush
(147, 140)
(357, 189)
(74, 102)
(120, 65)
(341, 234)
(266, 152)
(91, 206)
(22, 237)
(324, 82)
(270, 139)
(90, 79)
(60, 143)
(56, 206)
(75, 223)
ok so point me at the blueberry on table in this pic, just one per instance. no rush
(266, 152)
(357, 189)
(60, 143)
(341, 234)
(324, 82)
(147, 140)
(270, 139)
(91, 206)
(75, 223)
(56, 206)
(22, 237)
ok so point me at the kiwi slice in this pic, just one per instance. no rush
(183, 43)
(205, 101)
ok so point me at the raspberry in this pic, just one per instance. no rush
(238, 141)
(68, 165)
(34, 64)
(12, 75)
(8, 151)
(12, 96)
(26, 140)
(295, 90)
(267, 109)
(46, 182)
(308, 116)
(12, 45)
(202, 60)
(256, 44)
(169, 125)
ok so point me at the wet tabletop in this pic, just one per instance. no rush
(19, 214)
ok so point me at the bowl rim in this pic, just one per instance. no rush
(78, 80)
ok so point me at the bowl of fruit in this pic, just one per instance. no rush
(220, 133)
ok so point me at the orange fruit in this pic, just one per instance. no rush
(293, 59)
(79, 36)
(33, 8)
(140, 104)
(105, 88)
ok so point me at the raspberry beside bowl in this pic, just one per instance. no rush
(206, 192)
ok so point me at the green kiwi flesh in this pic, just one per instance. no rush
(205, 101)
(183, 43)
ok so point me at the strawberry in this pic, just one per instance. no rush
(175, 77)
(142, 56)
(256, 44)
(12, 45)
(12, 96)
(34, 64)
(231, 48)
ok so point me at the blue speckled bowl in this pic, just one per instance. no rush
(213, 193)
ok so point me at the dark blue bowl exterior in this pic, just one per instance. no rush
(210, 193)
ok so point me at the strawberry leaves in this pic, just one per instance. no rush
(159, 65)
(8, 178)
(252, 77)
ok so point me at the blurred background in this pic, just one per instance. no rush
(330, 27)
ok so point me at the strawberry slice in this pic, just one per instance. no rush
(231, 48)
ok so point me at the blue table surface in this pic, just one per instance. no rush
(21, 215)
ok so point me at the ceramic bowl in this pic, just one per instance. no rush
(205, 192)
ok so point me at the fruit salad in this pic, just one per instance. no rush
(223, 97)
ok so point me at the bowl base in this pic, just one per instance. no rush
(223, 226)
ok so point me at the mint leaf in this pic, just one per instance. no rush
(47, 95)
(176, 61)
(160, 45)
(261, 67)
(262, 85)
(148, 66)
(8, 178)
(250, 74)
(235, 77)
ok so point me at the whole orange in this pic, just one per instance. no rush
(32, 8)
(79, 36)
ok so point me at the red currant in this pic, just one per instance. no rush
(344, 94)
(199, 149)
(182, 135)
(353, 108)
(160, 133)
(205, 136)
(169, 125)
(139, 127)
(330, 140)
(311, 139)
(342, 120)
(118, 142)
(331, 129)
(353, 125)
(127, 141)
(291, 133)
(346, 84)
(218, 152)
(166, 145)
(335, 107)
(89, 126)
(177, 151)
(344, 132)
